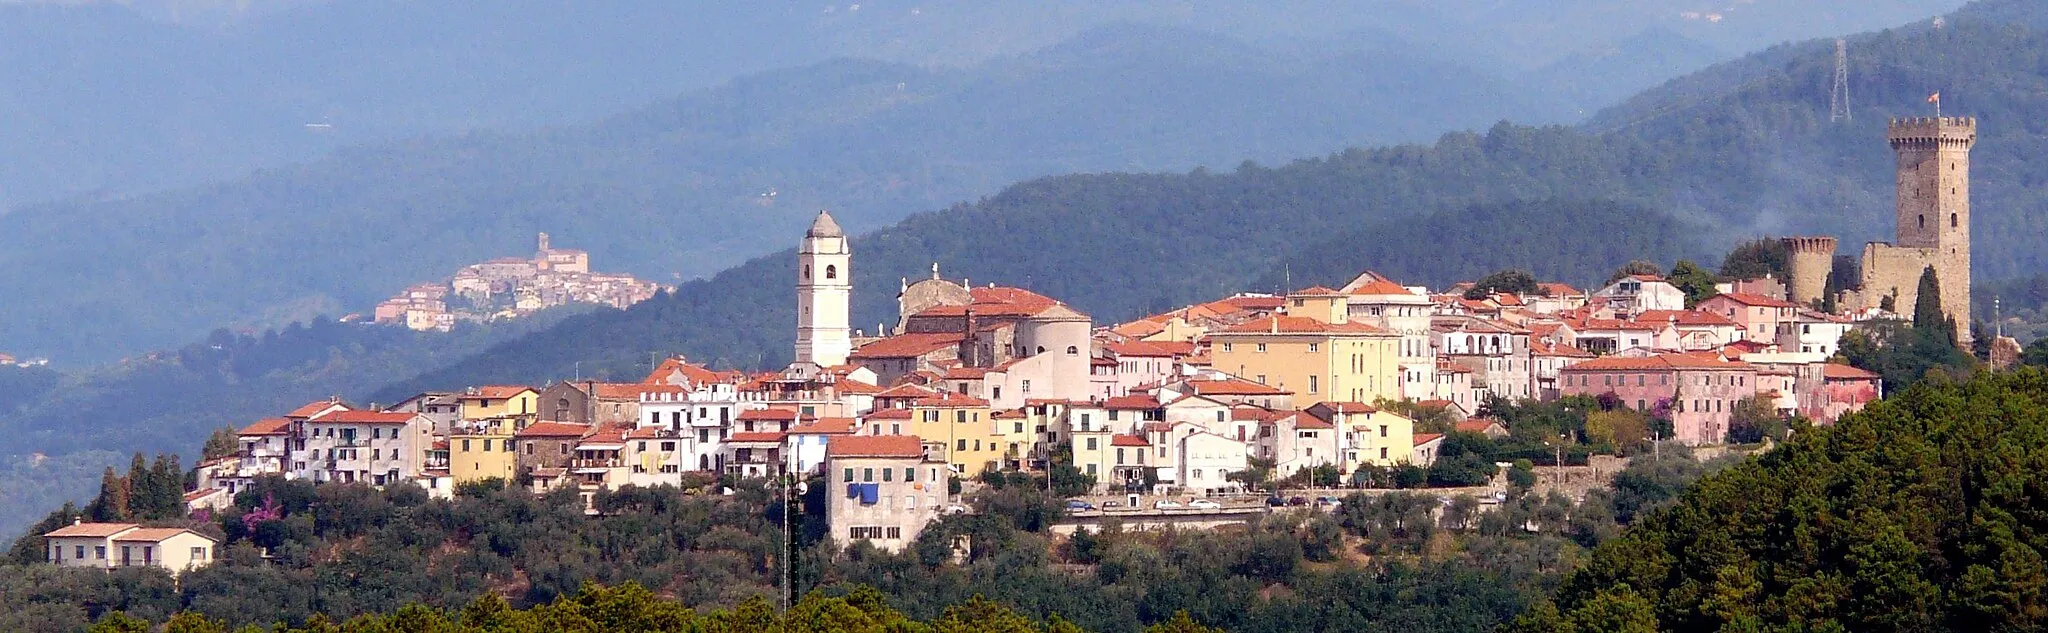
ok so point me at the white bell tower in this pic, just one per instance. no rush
(824, 288)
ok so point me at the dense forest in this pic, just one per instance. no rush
(1919, 513)
(340, 551)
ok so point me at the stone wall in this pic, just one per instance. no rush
(1810, 260)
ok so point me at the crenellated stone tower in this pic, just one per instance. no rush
(1810, 260)
(824, 290)
(1933, 219)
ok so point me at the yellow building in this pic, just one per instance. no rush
(482, 450)
(500, 401)
(965, 426)
(1017, 433)
(1368, 435)
(1314, 352)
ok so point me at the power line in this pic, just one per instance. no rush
(1838, 97)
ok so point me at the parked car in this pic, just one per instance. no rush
(1297, 501)
(1166, 504)
(1205, 504)
(956, 509)
(1276, 501)
(1327, 502)
(1077, 505)
(1112, 504)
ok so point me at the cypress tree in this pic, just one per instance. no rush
(1927, 301)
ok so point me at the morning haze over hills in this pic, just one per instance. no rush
(1126, 160)
(990, 95)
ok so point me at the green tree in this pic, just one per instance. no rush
(1697, 283)
(1635, 267)
(1753, 420)
(1755, 258)
(222, 443)
(1927, 312)
(1514, 281)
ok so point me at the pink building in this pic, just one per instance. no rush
(1701, 391)
(1759, 315)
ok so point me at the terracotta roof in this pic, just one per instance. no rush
(1140, 328)
(965, 373)
(1451, 368)
(875, 446)
(1845, 372)
(1380, 287)
(770, 414)
(311, 408)
(762, 436)
(1646, 278)
(1306, 420)
(1254, 302)
(1437, 403)
(495, 392)
(93, 530)
(1682, 317)
(1425, 438)
(1127, 440)
(1555, 289)
(553, 429)
(1284, 324)
(1318, 291)
(826, 426)
(888, 414)
(1349, 407)
(908, 390)
(628, 391)
(201, 494)
(908, 345)
(696, 374)
(1143, 349)
(365, 417)
(1007, 414)
(1130, 403)
(950, 400)
(1474, 425)
(152, 535)
(856, 387)
(1249, 413)
(1232, 387)
(1754, 300)
(648, 433)
(1660, 362)
(266, 426)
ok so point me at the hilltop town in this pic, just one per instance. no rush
(1361, 385)
(510, 288)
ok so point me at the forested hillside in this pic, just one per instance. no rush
(1761, 158)
(690, 186)
(1383, 561)
(1920, 513)
(53, 444)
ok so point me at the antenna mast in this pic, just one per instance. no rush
(1838, 96)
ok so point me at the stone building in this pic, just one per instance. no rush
(1933, 227)
(883, 490)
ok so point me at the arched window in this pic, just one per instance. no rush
(1923, 221)
(1953, 222)
(1073, 351)
(831, 271)
(807, 271)
(1041, 349)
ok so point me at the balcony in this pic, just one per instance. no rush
(595, 463)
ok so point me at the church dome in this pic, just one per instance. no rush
(824, 226)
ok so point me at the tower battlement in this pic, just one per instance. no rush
(1932, 132)
(1808, 262)
(1817, 244)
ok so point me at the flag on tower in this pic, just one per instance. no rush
(1934, 98)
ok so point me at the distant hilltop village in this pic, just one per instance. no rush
(510, 288)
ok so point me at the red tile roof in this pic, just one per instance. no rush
(365, 417)
(826, 426)
(950, 400)
(908, 390)
(1380, 287)
(1559, 290)
(153, 535)
(92, 530)
(553, 429)
(965, 373)
(311, 408)
(1845, 372)
(495, 392)
(908, 345)
(696, 374)
(1306, 420)
(1232, 387)
(1143, 349)
(1131, 403)
(888, 414)
(1254, 302)
(1284, 324)
(1127, 440)
(759, 437)
(1682, 317)
(875, 446)
(1425, 438)
(1753, 300)
(1318, 291)
(770, 414)
(266, 426)
(856, 387)
(1660, 362)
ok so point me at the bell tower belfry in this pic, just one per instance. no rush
(824, 290)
